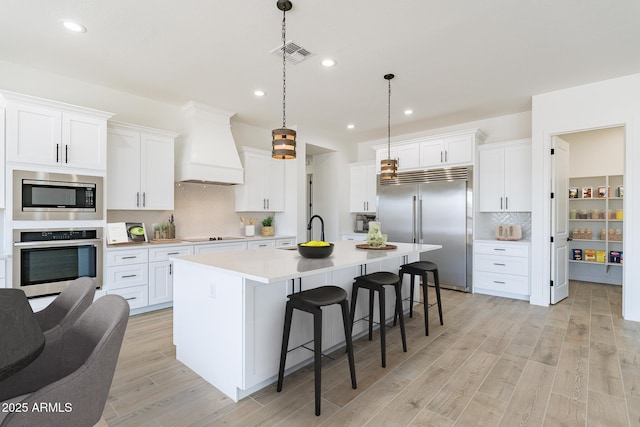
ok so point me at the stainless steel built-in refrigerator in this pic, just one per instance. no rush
(433, 207)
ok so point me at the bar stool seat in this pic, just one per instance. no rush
(421, 268)
(312, 301)
(375, 282)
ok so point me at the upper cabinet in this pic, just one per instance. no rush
(263, 188)
(362, 187)
(452, 149)
(140, 168)
(504, 172)
(448, 151)
(47, 133)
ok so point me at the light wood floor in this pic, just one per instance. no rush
(495, 362)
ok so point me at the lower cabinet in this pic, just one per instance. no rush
(161, 272)
(501, 268)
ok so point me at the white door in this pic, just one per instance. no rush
(559, 220)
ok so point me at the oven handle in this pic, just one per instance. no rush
(50, 243)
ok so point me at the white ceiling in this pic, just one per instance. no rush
(454, 60)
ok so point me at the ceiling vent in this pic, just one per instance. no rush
(293, 52)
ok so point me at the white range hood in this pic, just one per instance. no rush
(206, 151)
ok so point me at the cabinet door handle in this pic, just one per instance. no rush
(57, 153)
(129, 257)
(500, 203)
(172, 253)
(268, 203)
(506, 202)
(441, 161)
(170, 269)
(131, 299)
(446, 156)
(127, 276)
(137, 199)
(66, 153)
(144, 199)
(497, 263)
(499, 282)
(499, 249)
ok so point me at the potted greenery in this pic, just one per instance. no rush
(267, 227)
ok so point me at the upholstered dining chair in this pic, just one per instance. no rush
(73, 373)
(67, 307)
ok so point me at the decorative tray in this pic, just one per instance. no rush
(380, 248)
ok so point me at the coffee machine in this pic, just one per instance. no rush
(362, 223)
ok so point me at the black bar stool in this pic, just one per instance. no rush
(376, 282)
(312, 302)
(421, 268)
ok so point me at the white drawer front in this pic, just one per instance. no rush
(507, 249)
(220, 247)
(163, 254)
(133, 256)
(283, 243)
(136, 296)
(505, 265)
(501, 282)
(123, 276)
(259, 244)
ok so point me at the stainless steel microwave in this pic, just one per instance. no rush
(56, 196)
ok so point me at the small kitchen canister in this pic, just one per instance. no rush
(249, 230)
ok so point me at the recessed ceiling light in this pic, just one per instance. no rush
(408, 112)
(350, 126)
(73, 26)
(328, 63)
(259, 93)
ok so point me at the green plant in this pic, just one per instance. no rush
(267, 221)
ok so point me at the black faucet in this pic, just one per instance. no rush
(321, 226)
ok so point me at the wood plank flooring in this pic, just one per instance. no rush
(495, 362)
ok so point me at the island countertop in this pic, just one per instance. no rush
(269, 265)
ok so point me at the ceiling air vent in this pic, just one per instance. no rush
(293, 52)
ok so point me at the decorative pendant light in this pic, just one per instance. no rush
(283, 144)
(389, 166)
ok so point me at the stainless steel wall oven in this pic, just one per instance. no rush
(45, 261)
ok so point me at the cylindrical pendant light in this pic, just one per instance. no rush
(283, 140)
(389, 166)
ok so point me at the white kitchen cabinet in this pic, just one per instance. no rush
(263, 188)
(127, 274)
(261, 244)
(501, 268)
(286, 242)
(161, 272)
(41, 132)
(504, 172)
(407, 155)
(140, 168)
(219, 247)
(447, 151)
(362, 188)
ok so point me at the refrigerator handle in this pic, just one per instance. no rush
(413, 221)
(420, 237)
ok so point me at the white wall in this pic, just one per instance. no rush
(596, 153)
(607, 103)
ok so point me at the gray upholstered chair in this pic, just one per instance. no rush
(67, 307)
(74, 371)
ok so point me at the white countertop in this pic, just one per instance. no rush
(273, 265)
(196, 241)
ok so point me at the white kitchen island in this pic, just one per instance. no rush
(229, 308)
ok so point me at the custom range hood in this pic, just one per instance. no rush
(206, 152)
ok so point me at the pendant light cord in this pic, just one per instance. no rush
(284, 69)
(389, 122)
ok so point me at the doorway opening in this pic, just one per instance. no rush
(587, 209)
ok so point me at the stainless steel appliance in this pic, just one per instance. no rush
(56, 196)
(46, 261)
(433, 206)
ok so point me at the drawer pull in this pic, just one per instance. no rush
(128, 276)
(130, 257)
(131, 299)
(498, 282)
(499, 249)
(497, 263)
(173, 253)
(286, 244)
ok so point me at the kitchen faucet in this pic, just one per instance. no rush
(321, 226)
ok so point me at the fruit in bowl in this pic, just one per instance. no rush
(315, 249)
